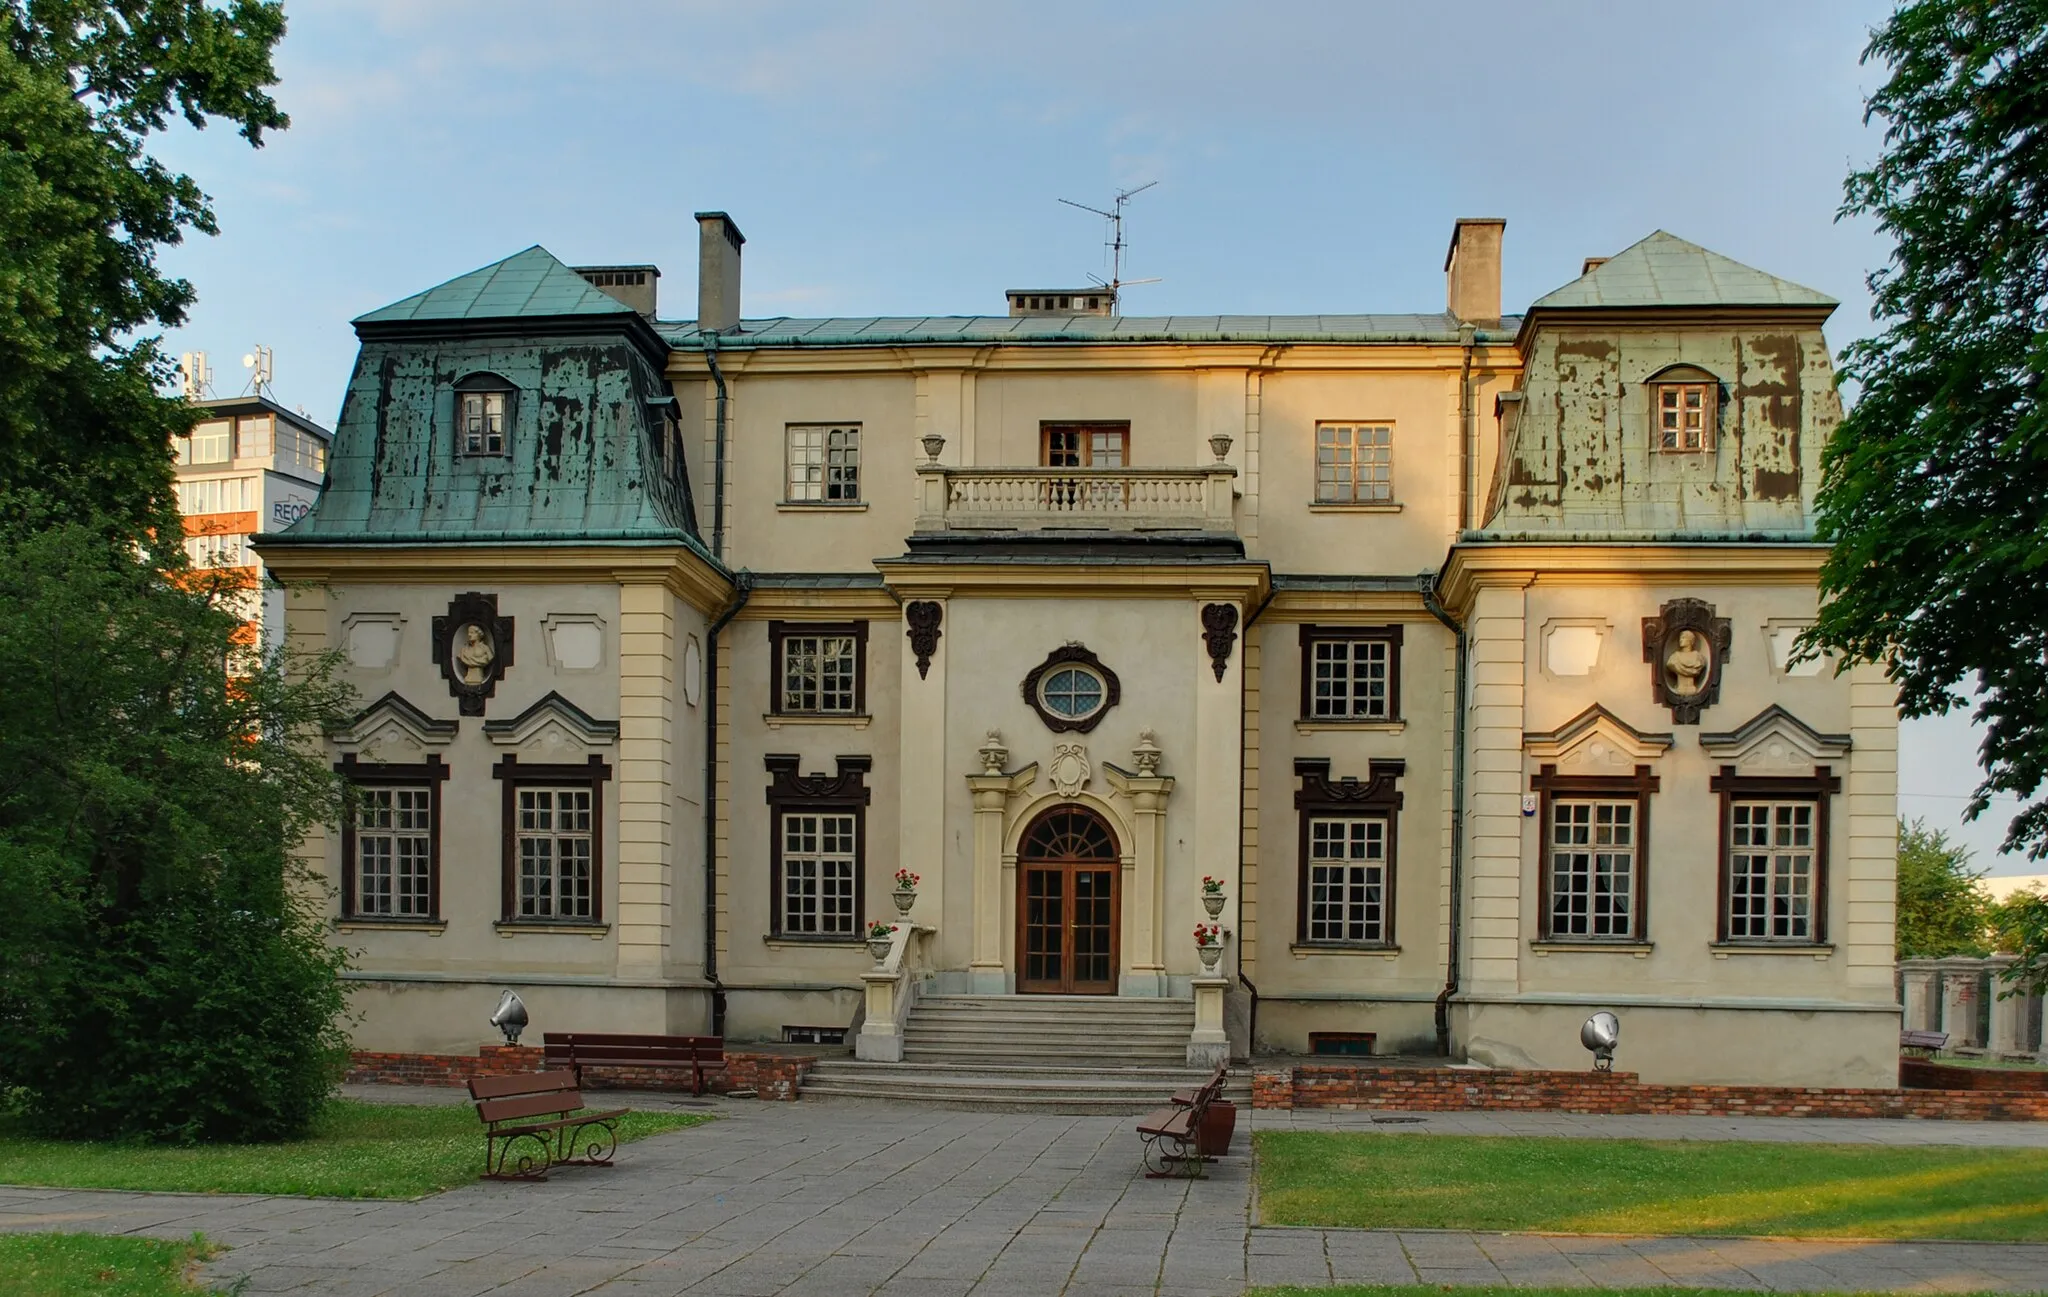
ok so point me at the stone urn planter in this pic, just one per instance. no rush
(1212, 896)
(880, 938)
(1209, 946)
(905, 891)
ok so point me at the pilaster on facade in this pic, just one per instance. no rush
(646, 781)
(1219, 749)
(722, 830)
(1145, 903)
(1870, 796)
(921, 769)
(1494, 785)
(992, 791)
(1248, 869)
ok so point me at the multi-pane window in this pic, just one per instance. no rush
(217, 495)
(230, 550)
(394, 852)
(817, 668)
(1593, 856)
(1354, 463)
(554, 853)
(212, 442)
(254, 436)
(1771, 849)
(1349, 679)
(820, 858)
(1084, 445)
(482, 421)
(1685, 416)
(1347, 880)
(824, 463)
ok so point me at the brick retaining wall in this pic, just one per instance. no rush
(1345, 1086)
(1926, 1074)
(769, 1076)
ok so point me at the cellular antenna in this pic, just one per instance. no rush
(1116, 243)
(261, 369)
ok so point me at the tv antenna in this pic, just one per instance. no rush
(195, 376)
(262, 368)
(1117, 243)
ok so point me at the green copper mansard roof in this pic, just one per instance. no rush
(526, 284)
(1664, 270)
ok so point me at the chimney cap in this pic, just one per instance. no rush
(1458, 228)
(1592, 264)
(730, 227)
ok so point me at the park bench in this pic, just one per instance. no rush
(1930, 1041)
(518, 1145)
(577, 1050)
(1171, 1136)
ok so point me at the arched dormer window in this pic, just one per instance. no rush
(1684, 408)
(483, 414)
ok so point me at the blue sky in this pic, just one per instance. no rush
(905, 158)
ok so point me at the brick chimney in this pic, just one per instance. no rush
(1472, 268)
(718, 271)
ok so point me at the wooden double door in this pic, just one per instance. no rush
(1068, 917)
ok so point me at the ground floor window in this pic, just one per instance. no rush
(554, 841)
(1593, 859)
(1347, 880)
(391, 839)
(1774, 856)
(817, 849)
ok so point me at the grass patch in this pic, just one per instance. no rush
(1445, 1290)
(1988, 1063)
(1600, 1186)
(67, 1265)
(356, 1150)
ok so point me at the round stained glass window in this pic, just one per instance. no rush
(1072, 692)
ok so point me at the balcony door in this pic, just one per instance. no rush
(1084, 445)
(1068, 876)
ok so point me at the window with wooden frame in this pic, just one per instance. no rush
(1345, 884)
(1593, 857)
(1684, 402)
(391, 840)
(1354, 463)
(1774, 854)
(553, 844)
(817, 849)
(818, 668)
(483, 415)
(1084, 445)
(1351, 673)
(824, 463)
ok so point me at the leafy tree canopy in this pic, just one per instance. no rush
(1935, 489)
(1942, 910)
(83, 86)
(2020, 928)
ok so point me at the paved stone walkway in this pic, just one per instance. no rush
(843, 1198)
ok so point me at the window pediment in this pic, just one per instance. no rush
(1596, 739)
(552, 722)
(1775, 739)
(1683, 373)
(393, 729)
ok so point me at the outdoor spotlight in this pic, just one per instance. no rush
(1600, 1034)
(511, 1016)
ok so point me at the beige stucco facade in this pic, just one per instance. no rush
(1532, 528)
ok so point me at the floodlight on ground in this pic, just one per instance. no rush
(511, 1016)
(1601, 1034)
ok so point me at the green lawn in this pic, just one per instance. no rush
(69, 1265)
(1588, 1186)
(357, 1150)
(1434, 1290)
(2001, 1065)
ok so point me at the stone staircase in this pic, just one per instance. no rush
(1065, 1053)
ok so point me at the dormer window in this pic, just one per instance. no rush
(1682, 406)
(483, 408)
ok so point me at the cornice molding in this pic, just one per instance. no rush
(1472, 567)
(1246, 582)
(687, 575)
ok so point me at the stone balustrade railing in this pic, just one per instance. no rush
(893, 988)
(1041, 499)
(1950, 995)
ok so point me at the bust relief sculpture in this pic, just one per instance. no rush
(1685, 645)
(1686, 668)
(474, 645)
(475, 654)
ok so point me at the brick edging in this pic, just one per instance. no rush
(770, 1076)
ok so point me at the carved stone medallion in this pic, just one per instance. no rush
(474, 647)
(1685, 645)
(1069, 771)
(923, 617)
(1219, 632)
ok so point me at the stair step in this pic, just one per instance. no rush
(1064, 1089)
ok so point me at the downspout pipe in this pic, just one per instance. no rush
(1430, 601)
(743, 587)
(1468, 337)
(1243, 714)
(718, 447)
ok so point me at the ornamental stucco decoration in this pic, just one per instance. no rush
(1685, 645)
(1070, 771)
(1219, 632)
(474, 647)
(923, 617)
(1077, 655)
(1145, 756)
(994, 756)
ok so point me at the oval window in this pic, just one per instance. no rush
(1072, 692)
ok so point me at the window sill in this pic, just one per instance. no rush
(776, 720)
(1332, 726)
(1723, 949)
(1303, 949)
(371, 923)
(774, 942)
(1640, 949)
(1335, 506)
(819, 506)
(518, 927)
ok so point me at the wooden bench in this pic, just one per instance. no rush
(1171, 1136)
(1930, 1041)
(577, 1050)
(518, 1146)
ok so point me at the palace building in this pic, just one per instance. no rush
(1456, 650)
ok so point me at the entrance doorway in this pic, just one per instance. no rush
(1068, 876)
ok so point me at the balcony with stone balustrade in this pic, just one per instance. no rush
(1122, 502)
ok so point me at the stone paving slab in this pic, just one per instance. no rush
(851, 1198)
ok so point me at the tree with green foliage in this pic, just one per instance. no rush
(1935, 486)
(83, 86)
(1943, 910)
(2019, 927)
(164, 972)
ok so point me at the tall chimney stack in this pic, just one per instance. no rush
(1472, 268)
(718, 272)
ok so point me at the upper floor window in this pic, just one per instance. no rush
(1351, 673)
(218, 495)
(391, 840)
(819, 667)
(1593, 855)
(1682, 405)
(824, 463)
(1354, 463)
(217, 549)
(1084, 445)
(1774, 834)
(212, 443)
(483, 414)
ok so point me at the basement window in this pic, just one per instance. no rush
(813, 1035)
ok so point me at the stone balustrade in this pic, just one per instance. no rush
(893, 988)
(1949, 994)
(1103, 499)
